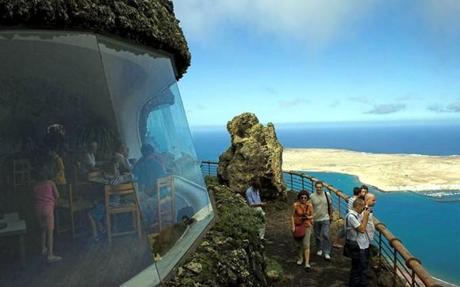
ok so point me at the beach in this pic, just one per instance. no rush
(387, 172)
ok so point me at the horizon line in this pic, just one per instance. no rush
(400, 121)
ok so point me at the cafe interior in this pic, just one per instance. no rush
(101, 185)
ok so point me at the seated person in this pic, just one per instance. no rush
(146, 171)
(120, 159)
(89, 158)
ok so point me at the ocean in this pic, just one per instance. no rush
(428, 227)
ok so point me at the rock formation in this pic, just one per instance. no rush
(254, 153)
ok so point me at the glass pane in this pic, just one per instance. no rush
(58, 128)
(174, 202)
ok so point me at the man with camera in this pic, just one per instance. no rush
(356, 234)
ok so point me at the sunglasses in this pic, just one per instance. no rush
(303, 197)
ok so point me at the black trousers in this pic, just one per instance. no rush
(359, 267)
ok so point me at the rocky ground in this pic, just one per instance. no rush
(280, 246)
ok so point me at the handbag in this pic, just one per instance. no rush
(299, 231)
(348, 248)
(349, 245)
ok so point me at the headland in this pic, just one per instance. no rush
(387, 172)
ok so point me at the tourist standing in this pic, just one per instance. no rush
(356, 236)
(364, 190)
(357, 192)
(303, 214)
(46, 196)
(370, 200)
(254, 201)
(322, 216)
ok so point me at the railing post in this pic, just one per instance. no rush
(302, 183)
(209, 168)
(380, 248)
(292, 185)
(339, 205)
(395, 266)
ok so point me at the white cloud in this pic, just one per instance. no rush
(436, 108)
(450, 108)
(315, 22)
(454, 107)
(386, 109)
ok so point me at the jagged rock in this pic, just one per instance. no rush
(195, 267)
(254, 152)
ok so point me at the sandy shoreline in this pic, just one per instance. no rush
(388, 172)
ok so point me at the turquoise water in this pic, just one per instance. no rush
(434, 226)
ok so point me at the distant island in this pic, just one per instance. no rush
(387, 172)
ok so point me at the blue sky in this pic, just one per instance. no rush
(321, 61)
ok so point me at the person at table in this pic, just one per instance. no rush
(120, 159)
(89, 158)
(146, 171)
(58, 168)
(148, 168)
(46, 196)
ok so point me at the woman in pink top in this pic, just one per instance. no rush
(46, 196)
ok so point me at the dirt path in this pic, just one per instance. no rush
(280, 246)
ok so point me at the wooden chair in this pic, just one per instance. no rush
(122, 190)
(21, 174)
(166, 202)
(70, 203)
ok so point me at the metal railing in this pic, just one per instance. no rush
(391, 249)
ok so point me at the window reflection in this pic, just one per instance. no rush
(97, 160)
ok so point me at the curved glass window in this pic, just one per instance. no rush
(102, 186)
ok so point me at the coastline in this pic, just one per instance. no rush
(387, 172)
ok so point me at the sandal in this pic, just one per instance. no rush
(53, 258)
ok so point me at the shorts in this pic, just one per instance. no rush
(46, 217)
(305, 242)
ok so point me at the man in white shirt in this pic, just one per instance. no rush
(356, 223)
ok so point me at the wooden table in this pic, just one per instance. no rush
(15, 227)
